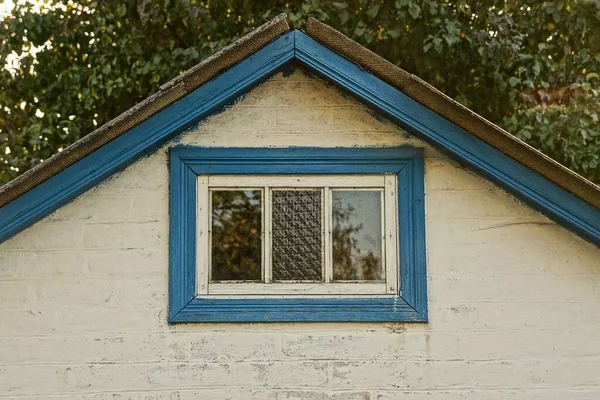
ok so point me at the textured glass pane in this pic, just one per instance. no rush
(236, 235)
(296, 235)
(357, 235)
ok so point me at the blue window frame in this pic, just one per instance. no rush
(188, 162)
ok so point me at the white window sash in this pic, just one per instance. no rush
(296, 181)
(292, 288)
(266, 183)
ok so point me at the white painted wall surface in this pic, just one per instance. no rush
(514, 298)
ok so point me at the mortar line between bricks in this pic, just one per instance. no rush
(275, 332)
(304, 360)
(321, 389)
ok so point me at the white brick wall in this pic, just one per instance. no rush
(514, 298)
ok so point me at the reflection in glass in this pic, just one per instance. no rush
(236, 235)
(357, 235)
(297, 235)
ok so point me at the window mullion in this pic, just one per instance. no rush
(327, 249)
(266, 238)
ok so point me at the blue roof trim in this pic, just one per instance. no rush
(554, 201)
(144, 138)
(526, 184)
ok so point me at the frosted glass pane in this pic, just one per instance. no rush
(236, 235)
(357, 235)
(297, 235)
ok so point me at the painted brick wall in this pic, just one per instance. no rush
(514, 298)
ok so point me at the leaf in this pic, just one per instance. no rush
(344, 16)
(372, 12)
(121, 10)
(450, 40)
(414, 10)
(360, 29)
(591, 75)
(393, 33)
(514, 81)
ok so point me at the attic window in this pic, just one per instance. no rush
(297, 234)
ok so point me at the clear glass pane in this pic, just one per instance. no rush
(357, 235)
(297, 235)
(236, 235)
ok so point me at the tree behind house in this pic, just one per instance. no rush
(529, 66)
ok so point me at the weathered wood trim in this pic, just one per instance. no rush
(182, 235)
(185, 306)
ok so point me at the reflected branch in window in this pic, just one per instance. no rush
(236, 245)
(357, 235)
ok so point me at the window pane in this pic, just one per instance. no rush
(297, 235)
(357, 235)
(236, 235)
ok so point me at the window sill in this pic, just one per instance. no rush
(299, 309)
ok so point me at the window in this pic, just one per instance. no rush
(298, 234)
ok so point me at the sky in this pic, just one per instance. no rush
(5, 7)
(3, 10)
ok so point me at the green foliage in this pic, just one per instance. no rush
(530, 66)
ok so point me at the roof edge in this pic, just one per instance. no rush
(455, 112)
(167, 94)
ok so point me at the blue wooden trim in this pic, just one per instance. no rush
(145, 137)
(299, 310)
(537, 191)
(182, 235)
(411, 210)
(186, 162)
(295, 160)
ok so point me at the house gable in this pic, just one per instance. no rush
(297, 47)
(84, 292)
